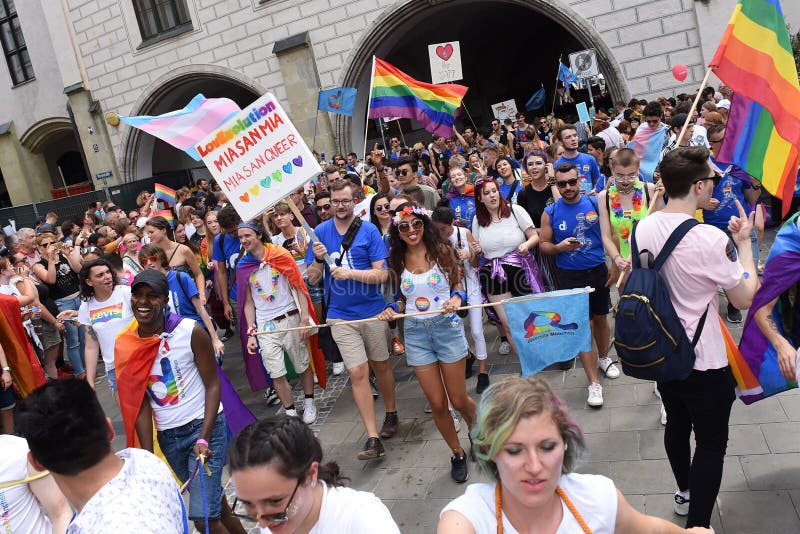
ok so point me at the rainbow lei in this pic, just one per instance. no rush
(254, 281)
(625, 223)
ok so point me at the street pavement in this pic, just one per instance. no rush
(760, 491)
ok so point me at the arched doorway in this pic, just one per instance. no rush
(508, 47)
(144, 155)
(55, 141)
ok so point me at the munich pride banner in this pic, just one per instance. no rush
(258, 157)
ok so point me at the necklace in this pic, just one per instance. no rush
(260, 290)
(616, 203)
(498, 509)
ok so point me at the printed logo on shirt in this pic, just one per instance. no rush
(591, 217)
(435, 280)
(422, 304)
(731, 252)
(164, 388)
(105, 314)
(407, 286)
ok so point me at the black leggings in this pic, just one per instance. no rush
(701, 403)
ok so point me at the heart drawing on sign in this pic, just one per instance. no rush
(245, 197)
(254, 190)
(287, 168)
(266, 182)
(445, 51)
(277, 176)
(298, 161)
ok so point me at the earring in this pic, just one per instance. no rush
(566, 446)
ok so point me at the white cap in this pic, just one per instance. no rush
(724, 103)
(141, 221)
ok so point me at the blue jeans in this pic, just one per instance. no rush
(177, 444)
(76, 344)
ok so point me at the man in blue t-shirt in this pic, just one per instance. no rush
(571, 232)
(353, 285)
(226, 252)
(586, 165)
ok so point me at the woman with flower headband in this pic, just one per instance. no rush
(526, 441)
(425, 268)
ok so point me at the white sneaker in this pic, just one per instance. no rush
(338, 368)
(456, 419)
(663, 416)
(608, 367)
(681, 504)
(309, 411)
(595, 395)
(291, 412)
(505, 348)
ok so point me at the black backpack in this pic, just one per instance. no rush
(650, 340)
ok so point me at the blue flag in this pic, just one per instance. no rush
(536, 101)
(566, 75)
(341, 100)
(550, 328)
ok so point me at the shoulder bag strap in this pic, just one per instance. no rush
(347, 242)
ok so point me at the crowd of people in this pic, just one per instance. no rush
(490, 213)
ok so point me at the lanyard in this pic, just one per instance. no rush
(498, 509)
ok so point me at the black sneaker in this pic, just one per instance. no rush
(483, 383)
(734, 315)
(567, 365)
(373, 448)
(458, 469)
(468, 371)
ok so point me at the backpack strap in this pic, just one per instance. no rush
(674, 238)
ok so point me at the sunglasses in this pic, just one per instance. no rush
(479, 182)
(89, 250)
(404, 172)
(321, 207)
(716, 179)
(280, 517)
(382, 207)
(572, 182)
(148, 260)
(406, 227)
(46, 244)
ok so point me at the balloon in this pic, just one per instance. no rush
(679, 72)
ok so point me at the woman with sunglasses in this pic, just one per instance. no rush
(505, 236)
(461, 197)
(381, 215)
(58, 269)
(282, 485)
(179, 256)
(425, 269)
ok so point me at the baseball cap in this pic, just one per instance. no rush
(155, 279)
(724, 103)
(676, 121)
(46, 228)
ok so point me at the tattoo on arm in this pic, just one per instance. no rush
(772, 325)
(91, 332)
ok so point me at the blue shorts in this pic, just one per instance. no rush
(7, 400)
(177, 444)
(314, 291)
(438, 339)
(112, 380)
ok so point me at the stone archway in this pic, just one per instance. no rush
(142, 154)
(391, 28)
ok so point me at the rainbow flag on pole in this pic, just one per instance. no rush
(165, 194)
(167, 214)
(396, 94)
(755, 60)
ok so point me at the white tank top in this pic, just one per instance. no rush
(425, 292)
(176, 390)
(19, 509)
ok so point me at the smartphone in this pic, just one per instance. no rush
(573, 240)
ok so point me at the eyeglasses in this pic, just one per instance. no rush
(715, 141)
(715, 178)
(406, 227)
(148, 260)
(382, 207)
(572, 182)
(321, 207)
(46, 244)
(626, 177)
(89, 250)
(404, 172)
(280, 517)
(345, 202)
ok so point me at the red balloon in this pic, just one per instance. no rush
(679, 72)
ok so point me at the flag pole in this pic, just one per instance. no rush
(369, 100)
(401, 131)
(463, 105)
(696, 100)
(555, 92)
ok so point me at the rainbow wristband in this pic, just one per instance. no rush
(201, 441)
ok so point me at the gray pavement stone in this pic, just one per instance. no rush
(772, 471)
(782, 437)
(643, 476)
(745, 439)
(758, 512)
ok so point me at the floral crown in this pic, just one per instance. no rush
(408, 210)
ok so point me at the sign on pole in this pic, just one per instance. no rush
(583, 113)
(505, 110)
(445, 62)
(258, 157)
(584, 63)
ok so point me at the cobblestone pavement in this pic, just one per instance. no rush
(760, 491)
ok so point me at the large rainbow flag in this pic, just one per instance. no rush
(755, 59)
(165, 194)
(755, 364)
(396, 94)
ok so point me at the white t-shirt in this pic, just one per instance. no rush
(703, 260)
(143, 497)
(265, 284)
(594, 496)
(500, 238)
(107, 319)
(19, 510)
(361, 210)
(472, 284)
(347, 511)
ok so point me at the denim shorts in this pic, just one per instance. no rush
(440, 338)
(177, 444)
(315, 291)
(112, 379)
(7, 400)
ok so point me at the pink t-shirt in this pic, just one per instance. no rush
(703, 260)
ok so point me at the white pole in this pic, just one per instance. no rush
(369, 99)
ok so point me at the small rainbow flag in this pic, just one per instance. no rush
(755, 60)
(165, 194)
(396, 94)
(167, 214)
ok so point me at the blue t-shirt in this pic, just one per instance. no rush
(463, 207)
(588, 170)
(228, 256)
(730, 188)
(505, 190)
(581, 221)
(351, 299)
(181, 291)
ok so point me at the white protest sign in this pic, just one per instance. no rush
(584, 63)
(258, 157)
(505, 110)
(445, 62)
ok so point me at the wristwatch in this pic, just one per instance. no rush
(6, 369)
(316, 259)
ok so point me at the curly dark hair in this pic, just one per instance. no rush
(87, 291)
(436, 250)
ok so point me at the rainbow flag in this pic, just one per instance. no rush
(185, 127)
(755, 59)
(165, 194)
(396, 94)
(757, 358)
(167, 214)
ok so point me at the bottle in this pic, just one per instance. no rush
(322, 157)
(36, 319)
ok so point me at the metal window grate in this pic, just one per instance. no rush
(14, 48)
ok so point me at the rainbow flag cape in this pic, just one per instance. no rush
(167, 214)
(25, 367)
(185, 127)
(648, 143)
(757, 361)
(755, 59)
(396, 94)
(165, 194)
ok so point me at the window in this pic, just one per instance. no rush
(161, 18)
(19, 62)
